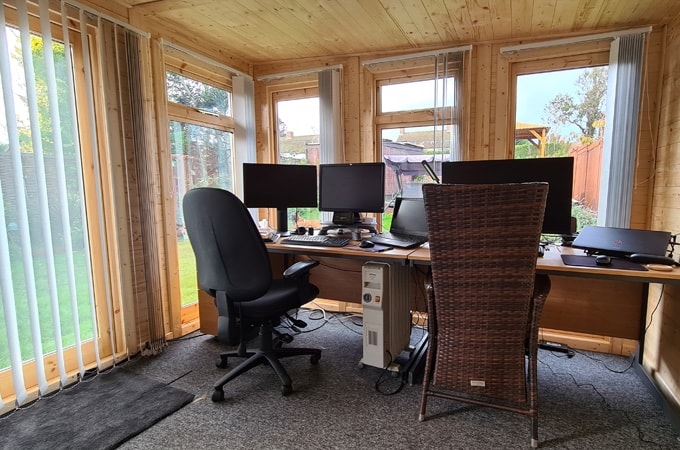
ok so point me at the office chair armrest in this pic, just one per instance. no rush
(300, 268)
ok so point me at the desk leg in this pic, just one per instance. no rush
(643, 323)
(414, 368)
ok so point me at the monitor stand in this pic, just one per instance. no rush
(350, 220)
(355, 228)
(282, 222)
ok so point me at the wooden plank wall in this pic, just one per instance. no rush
(489, 135)
(662, 358)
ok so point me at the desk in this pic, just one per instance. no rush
(551, 264)
(599, 301)
(575, 302)
(394, 255)
(631, 287)
(383, 291)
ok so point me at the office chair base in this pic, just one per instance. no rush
(257, 357)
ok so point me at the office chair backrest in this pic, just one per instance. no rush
(230, 254)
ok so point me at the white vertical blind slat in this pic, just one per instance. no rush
(51, 76)
(621, 128)
(331, 148)
(6, 283)
(81, 192)
(29, 273)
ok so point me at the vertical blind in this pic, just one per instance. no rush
(80, 279)
(621, 130)
(45, 284)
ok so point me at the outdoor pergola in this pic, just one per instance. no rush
(535, 134)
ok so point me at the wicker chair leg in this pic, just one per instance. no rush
(423, 406)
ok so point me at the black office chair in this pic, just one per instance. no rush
(233, 266)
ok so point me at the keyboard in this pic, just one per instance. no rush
(398, 240)
(316, 240)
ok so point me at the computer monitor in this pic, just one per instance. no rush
(279, 186)
(350, 189)
(557, 172)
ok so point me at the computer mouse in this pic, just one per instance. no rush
(603, 260)
(366, 244)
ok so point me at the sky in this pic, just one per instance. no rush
(535, 91)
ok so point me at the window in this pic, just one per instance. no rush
(418, 118)
(201, 137)
(298, 142)
(561, 113)
(45, 251)
(560, 102)
(623, 53)
(54, 284)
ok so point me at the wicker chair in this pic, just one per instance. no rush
(484, 297)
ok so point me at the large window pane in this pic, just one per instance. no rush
(561, 113)
(403, 151)
(42, 204)
(201, 156)
(202, 96)
(298, 143)
(417, 95)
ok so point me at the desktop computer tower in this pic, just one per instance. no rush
(386, 314)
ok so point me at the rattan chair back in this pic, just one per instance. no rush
(484, 299)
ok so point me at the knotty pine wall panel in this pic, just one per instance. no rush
(662, 359)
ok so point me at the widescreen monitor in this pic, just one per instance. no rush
(351, 189)
(279, 186)
(557, 172)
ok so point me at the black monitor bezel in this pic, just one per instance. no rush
(350, 184)
(558, 172)
(279, 185)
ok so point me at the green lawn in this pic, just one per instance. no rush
(42, 299)
(187, 272)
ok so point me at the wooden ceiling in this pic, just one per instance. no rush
(258, 31)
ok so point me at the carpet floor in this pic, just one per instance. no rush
(591, 401)
(98, 413)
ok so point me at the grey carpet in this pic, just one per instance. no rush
(99, 413)
(591, 401)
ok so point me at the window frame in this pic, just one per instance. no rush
(410, 70)
(178, 62)
(597, 56)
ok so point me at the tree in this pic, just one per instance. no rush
(189, 92)
(586, 110)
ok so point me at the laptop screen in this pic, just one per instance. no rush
(409, 216)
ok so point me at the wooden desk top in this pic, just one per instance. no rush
(551, 264)
(351, 252)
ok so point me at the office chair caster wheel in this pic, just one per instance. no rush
(222, 362)
(218, 395)
(286, 390)
(314, 359)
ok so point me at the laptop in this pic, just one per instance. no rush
(622, 241)
(409, 224)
